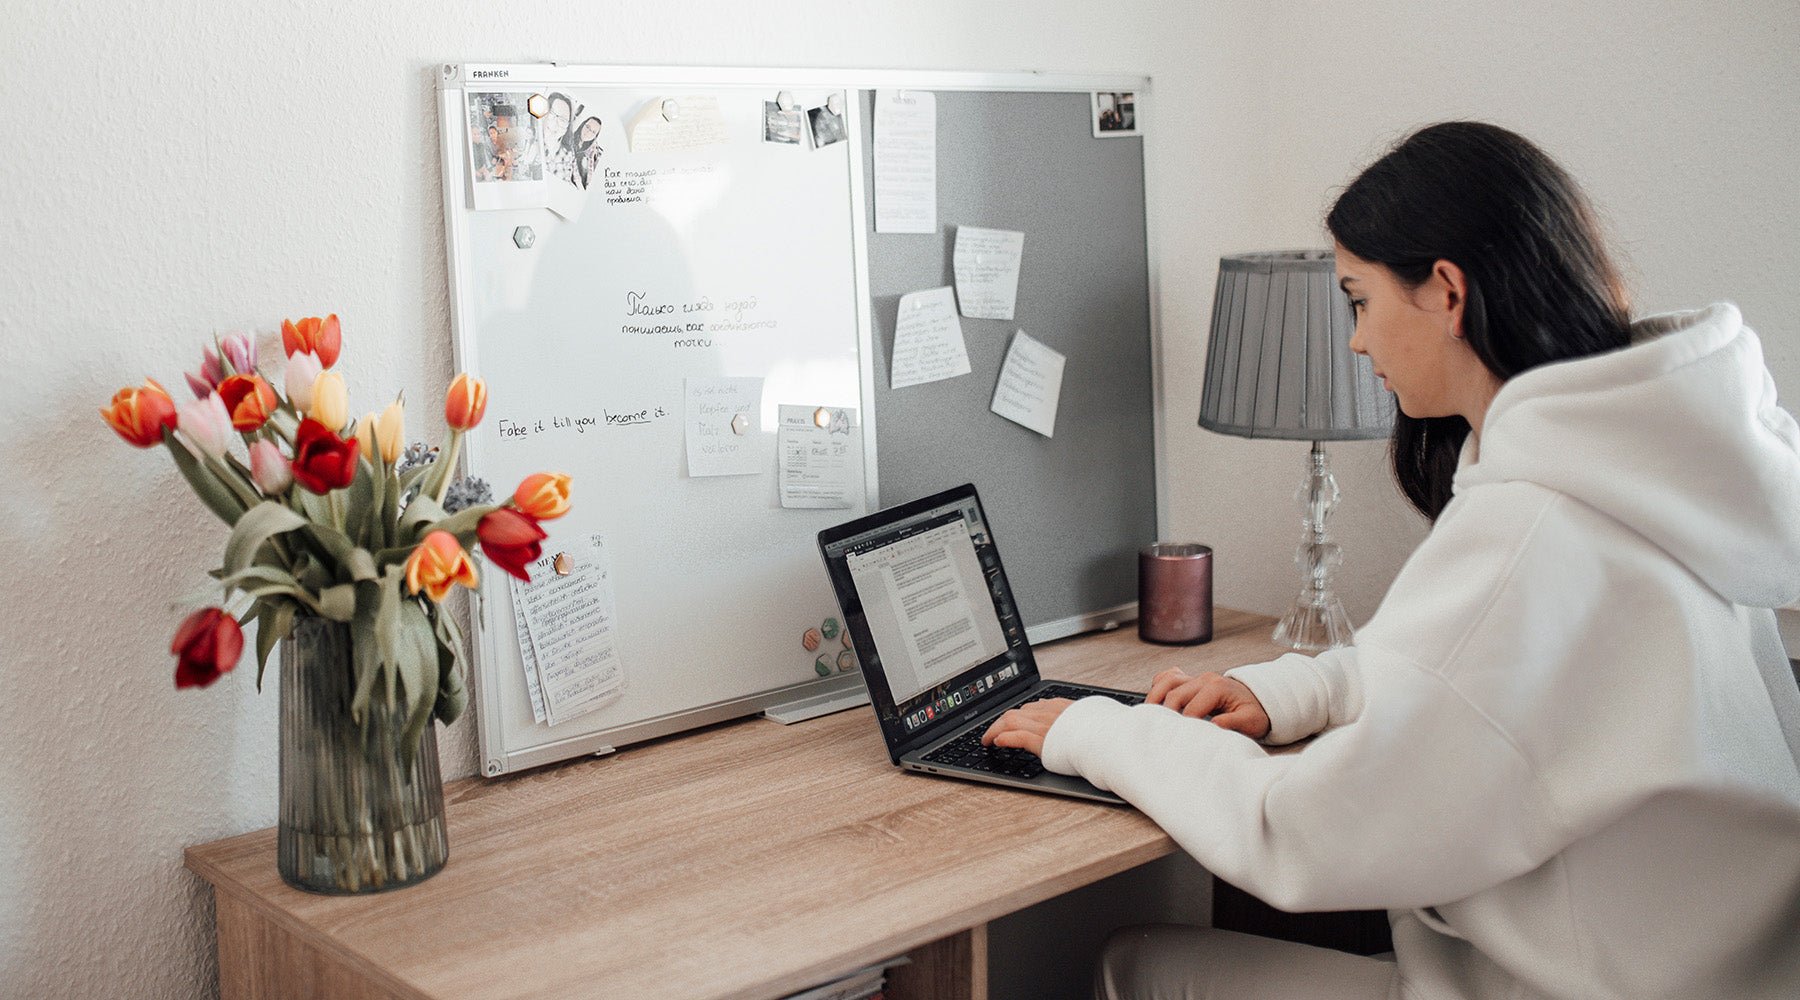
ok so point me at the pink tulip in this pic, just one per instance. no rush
(211, 373)
(205, 424)
(270, 468)
(240, 351)
(302, 370)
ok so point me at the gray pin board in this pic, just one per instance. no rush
(714, 582)
(1070, 511)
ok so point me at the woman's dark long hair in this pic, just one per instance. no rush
(1541, 286)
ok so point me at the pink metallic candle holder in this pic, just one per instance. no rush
(1175, 594)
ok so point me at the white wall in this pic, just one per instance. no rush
(179, 173)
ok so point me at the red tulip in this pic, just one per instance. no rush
(322, 461)
(207, 644)
(139, 415)
(249, 400)
(321, 338)
(511, 540)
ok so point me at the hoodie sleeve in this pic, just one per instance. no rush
(1303, 694)
(1425, 798)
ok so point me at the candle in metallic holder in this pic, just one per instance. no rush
(1175, 602)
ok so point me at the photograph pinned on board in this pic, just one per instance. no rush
(506, 151)
(827, 127)
(783, 125)
(1115, 114)
(571, 144)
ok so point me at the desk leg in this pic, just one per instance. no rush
(952, 968)
(260, 960)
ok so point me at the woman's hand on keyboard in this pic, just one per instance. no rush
(1230, 704)
(1025, 727)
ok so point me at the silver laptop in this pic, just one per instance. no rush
(929, 612)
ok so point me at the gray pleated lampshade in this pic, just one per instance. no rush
(1279, 364)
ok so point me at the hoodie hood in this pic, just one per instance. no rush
(1677, 437)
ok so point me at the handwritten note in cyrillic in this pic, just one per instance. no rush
(1030, 384)
(905, 161)
(928, 340)
(987, 271)
(573, 626)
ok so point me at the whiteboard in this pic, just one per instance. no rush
(715, 582)
(739, 260)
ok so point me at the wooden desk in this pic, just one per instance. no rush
(745, 860)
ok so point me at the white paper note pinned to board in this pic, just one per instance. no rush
(987, 271)
(573, 624)
(905, 161)
(677, 124)
(815, 445)
(1030, 384)
(928, 340)
(724, 426)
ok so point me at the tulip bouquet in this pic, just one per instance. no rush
(332, 518)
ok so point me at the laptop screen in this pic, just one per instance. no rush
(927, 604)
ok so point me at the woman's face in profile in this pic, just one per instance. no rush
(1408, 334)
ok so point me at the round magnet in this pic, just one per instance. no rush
(829, 628)
(821, 417)
(563, 564)
(785, 100)
(740, 425)
(836, 103)
(671, 110)
(538, 105)
(822, 666)
(846, 660)
(810, 639)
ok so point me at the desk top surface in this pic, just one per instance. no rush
(746, 859)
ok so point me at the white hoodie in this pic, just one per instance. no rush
(1565, 752)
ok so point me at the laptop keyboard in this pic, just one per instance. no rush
(966, 750)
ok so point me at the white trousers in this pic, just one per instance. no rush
(1175, 962)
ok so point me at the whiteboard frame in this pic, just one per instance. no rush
(451, 79)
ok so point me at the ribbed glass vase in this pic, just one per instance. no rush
(358, 813)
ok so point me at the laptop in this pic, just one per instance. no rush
(930, 615)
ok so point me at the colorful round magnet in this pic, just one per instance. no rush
(846, 660)
(822, 666)
(810, 639)
(829, 628)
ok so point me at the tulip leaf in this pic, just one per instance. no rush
(338, 603)
(260, 574)
(259, 524)
(417, 663)
(335, 543)
(366, 656)
(423, 510)
(463, 523)
(413, 475)
(453, 697)
(359, 502)
(316, 506)
(206, 486)
(360, 565)
(274, 622)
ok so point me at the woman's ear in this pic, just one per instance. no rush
(1449, 289)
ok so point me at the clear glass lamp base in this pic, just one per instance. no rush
(1315, 622)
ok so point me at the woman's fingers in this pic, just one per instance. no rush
(1163, 683)
(1026, 726)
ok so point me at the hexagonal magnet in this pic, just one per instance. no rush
(523, 237)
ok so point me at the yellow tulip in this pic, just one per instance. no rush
(330, 401)
(365, 436)
(390, 432)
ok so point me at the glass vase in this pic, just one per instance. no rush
(358, 812)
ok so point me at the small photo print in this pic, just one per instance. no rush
(827, 128)
(786, 127)
(1115, 114)
(505, 144)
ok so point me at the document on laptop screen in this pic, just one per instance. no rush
(928, 608)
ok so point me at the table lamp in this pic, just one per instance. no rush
(1279, 365)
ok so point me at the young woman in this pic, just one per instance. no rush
(1565, 752)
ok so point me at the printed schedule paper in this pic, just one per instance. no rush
(928, 340)
(987, 271)
(724, 426)
(1030, 384)
(572, 622)
(905, 161)
(815, 444)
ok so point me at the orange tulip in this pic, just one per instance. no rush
(139, 415)
(466, 402)
(249, 400)
(543, 495)
(322, 338)
(438, 564)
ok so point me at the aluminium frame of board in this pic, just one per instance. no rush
(450, 80)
